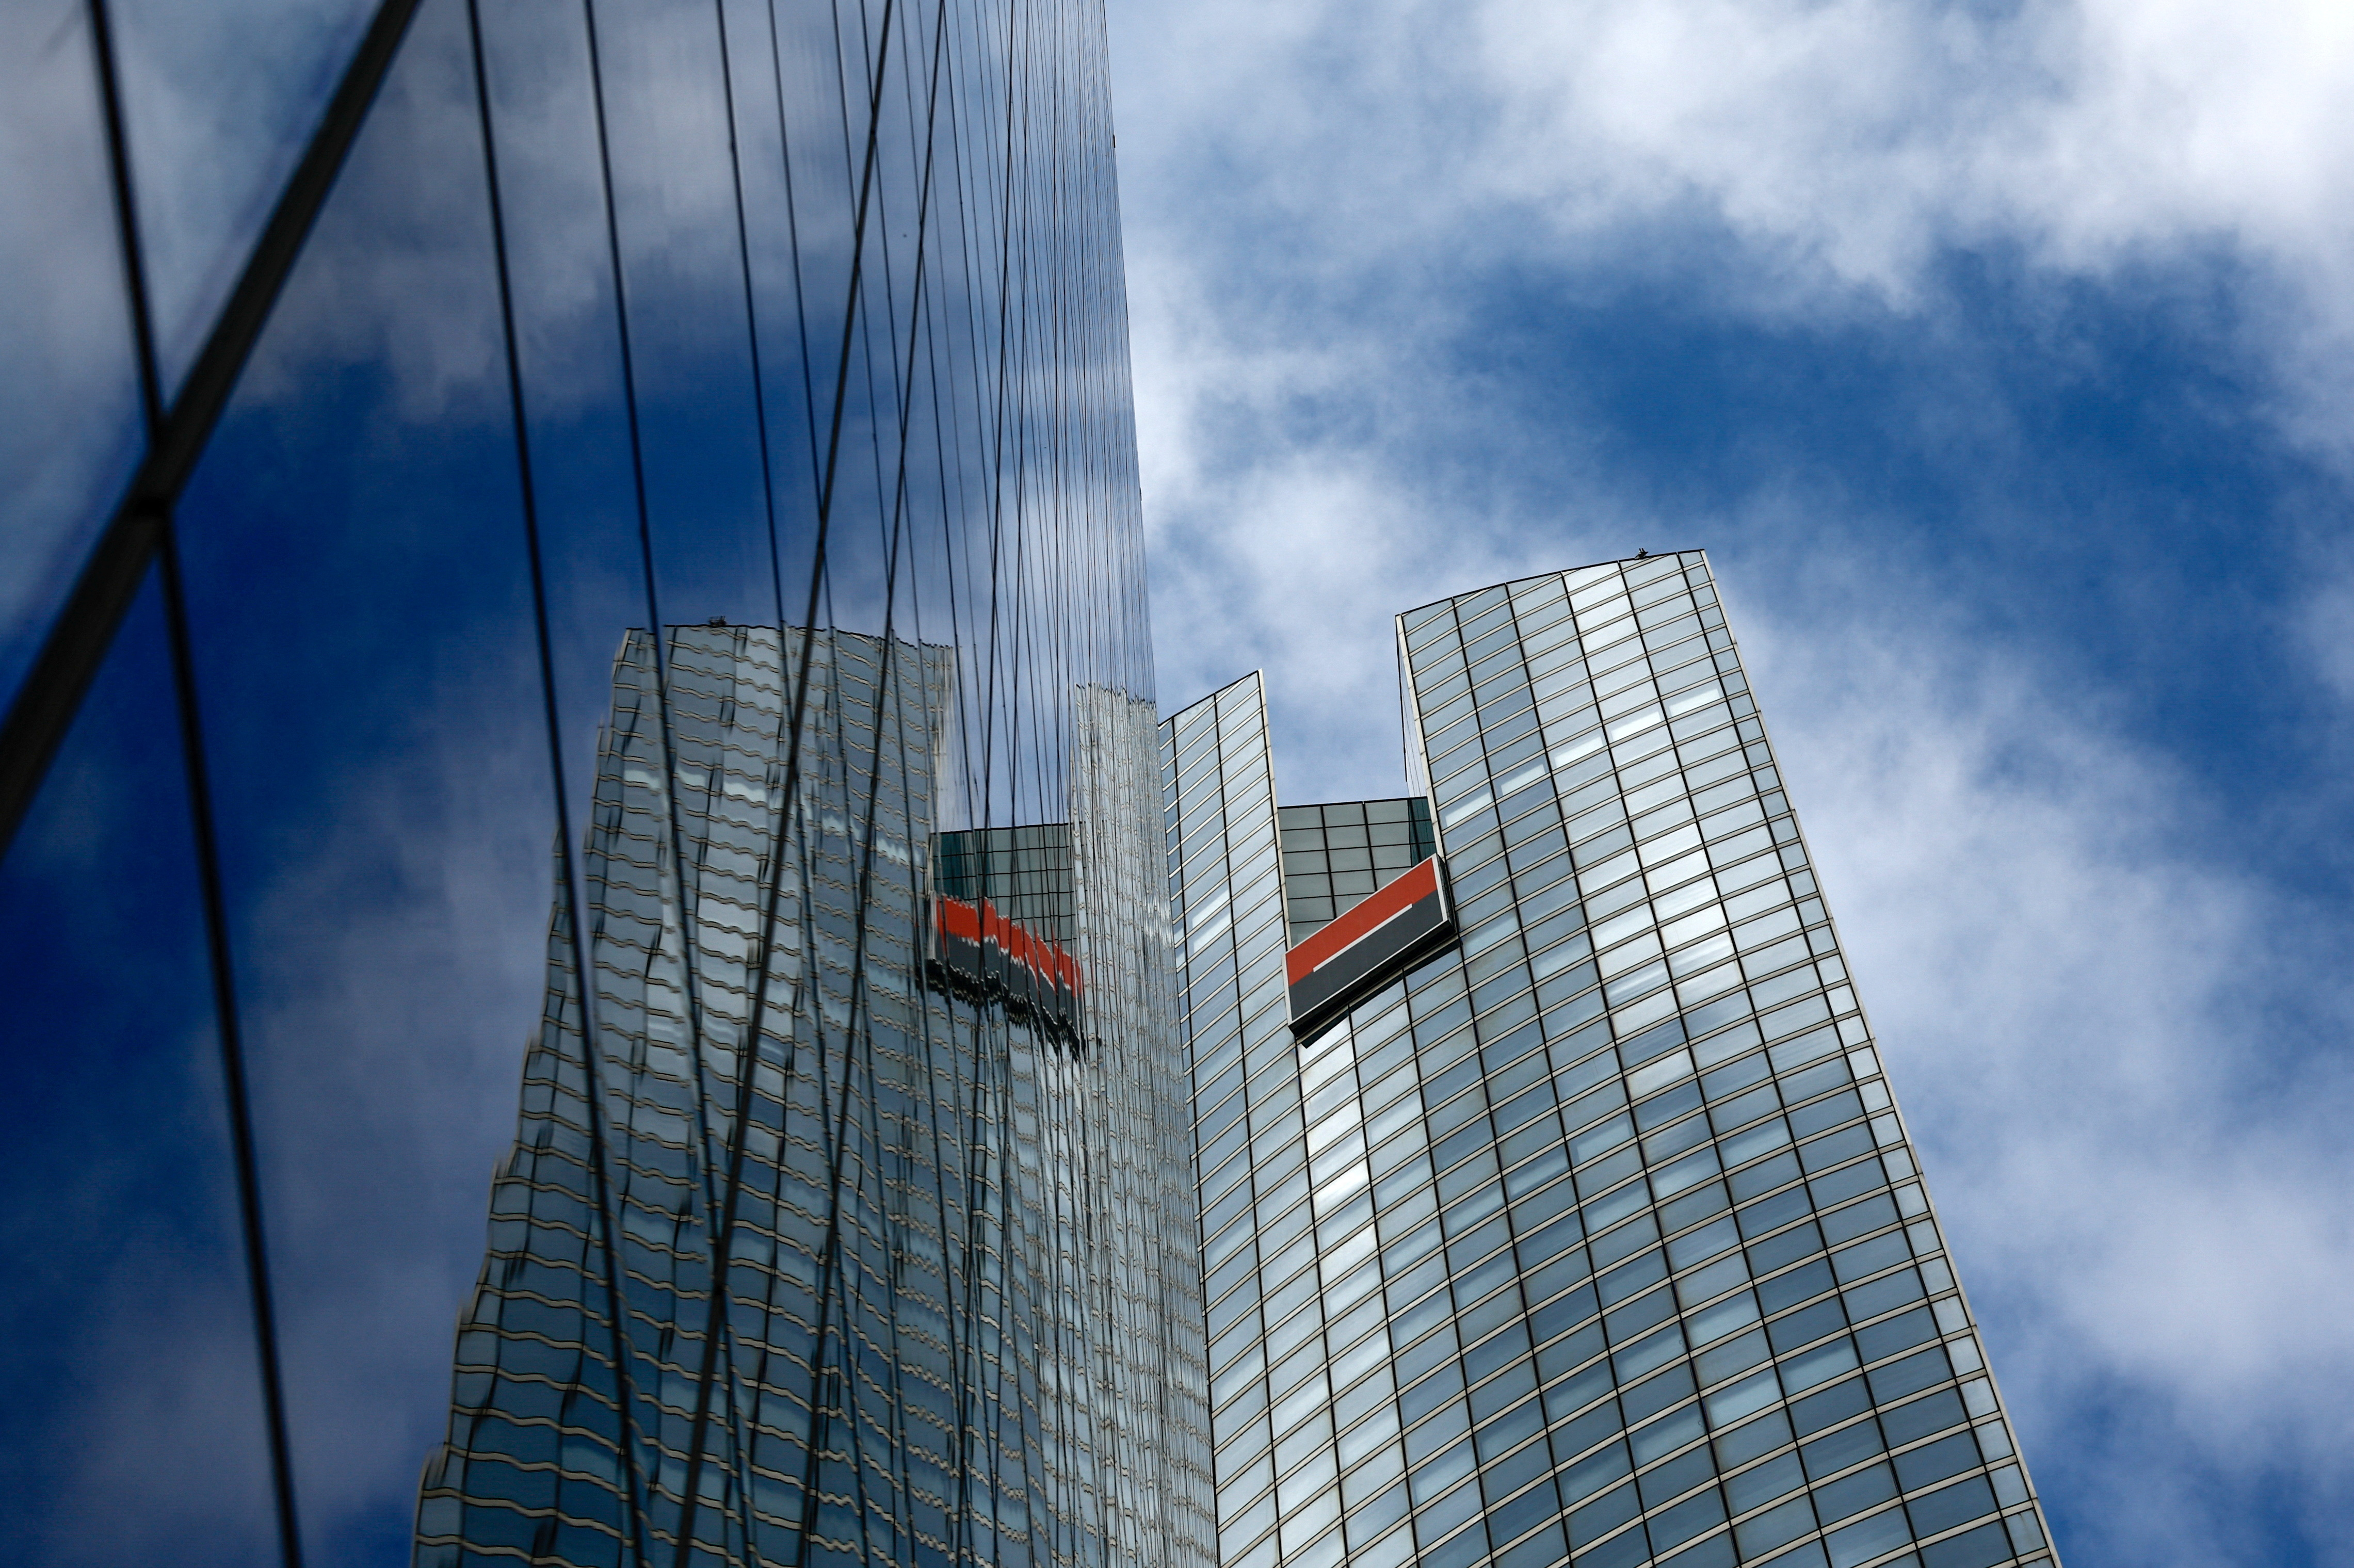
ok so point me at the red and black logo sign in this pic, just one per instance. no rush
(1405, 918)
(981, 951)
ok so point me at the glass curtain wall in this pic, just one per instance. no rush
(1261, 1276)
(1335, 853)
(1599, 1238)
(546, 516)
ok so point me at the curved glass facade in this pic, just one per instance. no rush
(1597, 1238)
(637, 484)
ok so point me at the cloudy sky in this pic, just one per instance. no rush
(1999, 353)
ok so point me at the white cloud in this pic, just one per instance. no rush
(1288, 510)
(1296, 559)
(395, 974)
(1311, 186)
(172, 1464)
(1856, 136)
(2138, 1153)
(70, 403)
(218, 103)
(1866, 131)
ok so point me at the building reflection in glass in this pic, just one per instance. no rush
(946, 1331)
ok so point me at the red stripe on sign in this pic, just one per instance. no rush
(985, 926)
(1379, 908)
(958, 918)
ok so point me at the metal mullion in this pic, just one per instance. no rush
(44, 706)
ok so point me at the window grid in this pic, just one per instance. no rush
(1652, 1222)
(1336, 854)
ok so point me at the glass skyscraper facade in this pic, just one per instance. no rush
(1595, 1238)
(590, 981)
(948, 1328)
(1334, 854)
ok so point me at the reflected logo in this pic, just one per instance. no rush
(1405, 918)
(982, 953)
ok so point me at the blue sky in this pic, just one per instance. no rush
(1996, 353)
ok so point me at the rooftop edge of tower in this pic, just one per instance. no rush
(1687, 555)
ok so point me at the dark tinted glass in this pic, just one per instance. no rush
(127, 1345)
(70, 421)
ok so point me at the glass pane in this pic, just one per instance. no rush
(127, 1360)
(69, 404)
(1757, 1052)
(359, 593)
(473, 1144)
(218, 102)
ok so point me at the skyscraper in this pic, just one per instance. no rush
(1555, 1203)
(954, 1326)
(695, 440)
